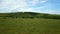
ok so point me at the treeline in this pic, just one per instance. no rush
(29, 15)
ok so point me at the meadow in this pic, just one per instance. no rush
(29, 23)
(29, 26)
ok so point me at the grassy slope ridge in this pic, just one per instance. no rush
(37, 23)
(29, 15)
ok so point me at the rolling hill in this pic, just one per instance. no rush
(29, 23)
(29, 15)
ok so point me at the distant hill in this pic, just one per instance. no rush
(28, 15)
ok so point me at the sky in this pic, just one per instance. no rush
(40, 6)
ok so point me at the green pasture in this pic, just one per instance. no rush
(29, 26)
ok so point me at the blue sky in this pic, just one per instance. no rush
(40, 6)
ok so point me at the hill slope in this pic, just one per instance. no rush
(26, 23)
(29, 15)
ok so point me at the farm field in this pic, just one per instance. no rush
(29, 26)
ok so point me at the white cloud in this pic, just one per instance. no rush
(35, 2)
(13, 4)
(43, 1)
(19, 5)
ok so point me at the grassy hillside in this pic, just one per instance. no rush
(29, 23)
(29, 15)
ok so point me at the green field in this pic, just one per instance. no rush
(29, 26)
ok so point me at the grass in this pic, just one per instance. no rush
(29, 26)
